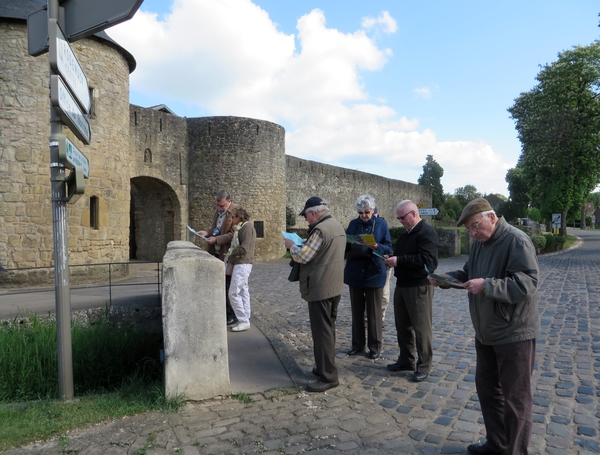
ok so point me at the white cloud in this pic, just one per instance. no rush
(385, 22)
(229, 58)
(423, 92)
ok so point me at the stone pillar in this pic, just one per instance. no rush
(194, 323)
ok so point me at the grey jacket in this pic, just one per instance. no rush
(507, 311)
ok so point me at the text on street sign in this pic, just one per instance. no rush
(64, 62)
(69, 111)
(429, 211)
(69, 154)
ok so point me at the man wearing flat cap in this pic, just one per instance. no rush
(321, 260)
(501, 276)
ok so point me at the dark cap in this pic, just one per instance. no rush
(472, 208)
(311, 202)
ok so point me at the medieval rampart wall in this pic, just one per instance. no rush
(341, 187)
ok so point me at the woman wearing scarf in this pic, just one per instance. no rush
(240, 256)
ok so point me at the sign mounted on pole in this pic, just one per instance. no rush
(64, 62)
(428, 211)
(69, 154)
(82, 18)
(86, 17)
(69, 111)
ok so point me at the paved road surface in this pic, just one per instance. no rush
(374, 411)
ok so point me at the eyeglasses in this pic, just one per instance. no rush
(222, 206)
(475, 227)
(366, 212)
(401, 218)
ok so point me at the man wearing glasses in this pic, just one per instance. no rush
(416, 249)
(501, 275)
(219, 239)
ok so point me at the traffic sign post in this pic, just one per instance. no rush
(64, 62)
(70, 101)
(69, 111)
(69, 154)
(79, 18)
(428, 211)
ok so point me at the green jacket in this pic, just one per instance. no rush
(507, 311)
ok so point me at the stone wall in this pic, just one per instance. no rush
(159, 184)
(341, 187)
(247, 157)
(26, 236)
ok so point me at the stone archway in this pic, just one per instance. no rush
(154, 216)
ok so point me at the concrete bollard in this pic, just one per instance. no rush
(194, 323)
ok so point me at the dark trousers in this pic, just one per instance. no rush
(369, 299)
(413, 317)
(503, 380)
(228, 307)
(323, 314)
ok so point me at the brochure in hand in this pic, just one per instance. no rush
(361, 239)
(193, 231)
(445, 279)
(293, 237)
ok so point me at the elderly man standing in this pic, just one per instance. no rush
(415, 249)
(321, 260)
(501, 275)
(219, 238)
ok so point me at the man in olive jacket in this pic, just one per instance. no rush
(321, 285)
(501, 276)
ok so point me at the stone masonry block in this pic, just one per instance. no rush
(195, 333)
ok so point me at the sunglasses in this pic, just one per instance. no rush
(401, 218)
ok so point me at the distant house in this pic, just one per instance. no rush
(494, 201)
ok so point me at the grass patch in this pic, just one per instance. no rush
(116, 372)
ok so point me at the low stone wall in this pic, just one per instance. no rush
(194, 329)
(449, 242)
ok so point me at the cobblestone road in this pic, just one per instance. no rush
(374, 411)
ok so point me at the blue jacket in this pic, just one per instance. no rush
(363, 268)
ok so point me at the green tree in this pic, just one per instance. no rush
(451, 208)
(466, 194)
(431, 177)
(519, 194)
(558, 123)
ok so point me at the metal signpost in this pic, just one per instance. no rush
(70, 102)
(428, 211)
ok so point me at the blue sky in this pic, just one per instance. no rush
(374, 86)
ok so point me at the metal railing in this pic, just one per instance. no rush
(85, 278)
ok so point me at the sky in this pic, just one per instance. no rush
(373, 86)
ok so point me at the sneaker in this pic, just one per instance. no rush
(232, 322)
(241, 327)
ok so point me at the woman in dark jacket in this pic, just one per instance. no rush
(365, 275)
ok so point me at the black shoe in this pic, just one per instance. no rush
(419, 377)
(373, 355)
(231, 322)
(398, 367)
(356, 351)
(320, 386)
(483, 448)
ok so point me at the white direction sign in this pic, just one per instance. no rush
(64, 62)
(428, 211)
(69, 111)
(69, 154)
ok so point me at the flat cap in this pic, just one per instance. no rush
(472, 208)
